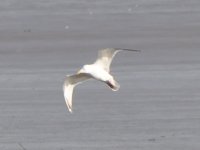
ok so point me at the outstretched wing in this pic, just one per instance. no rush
(69, 84)
(105, 57)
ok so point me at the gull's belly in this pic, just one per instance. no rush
(100, 74)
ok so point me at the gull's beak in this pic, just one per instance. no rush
(80, 71)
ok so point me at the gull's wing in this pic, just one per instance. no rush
(105, 56)
(69, 84)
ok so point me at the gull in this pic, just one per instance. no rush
(99, 70)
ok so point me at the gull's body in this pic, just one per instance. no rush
(99, 70)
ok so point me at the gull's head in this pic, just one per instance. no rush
(84, 69)
(81, 71)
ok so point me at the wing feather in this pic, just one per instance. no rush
(69, 84)
(105, 57)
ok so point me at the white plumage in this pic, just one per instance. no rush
(99, 70)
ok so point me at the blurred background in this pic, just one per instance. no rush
(158, 104)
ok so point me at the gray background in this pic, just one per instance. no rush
(158, 105)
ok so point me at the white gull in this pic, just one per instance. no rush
(99, 70)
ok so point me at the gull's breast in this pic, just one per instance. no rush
(99, 73)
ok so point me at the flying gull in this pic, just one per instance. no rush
(99, 70)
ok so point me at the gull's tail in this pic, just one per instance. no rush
(114, 85)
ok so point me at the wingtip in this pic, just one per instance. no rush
(70, 110)
(69, 107)
(136, 50)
